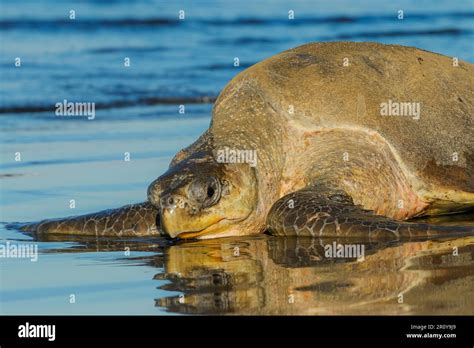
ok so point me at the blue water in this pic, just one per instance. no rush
(82, 59)
(172, 62)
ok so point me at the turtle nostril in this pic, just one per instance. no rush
(169, 201)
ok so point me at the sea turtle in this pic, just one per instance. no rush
(350, 139)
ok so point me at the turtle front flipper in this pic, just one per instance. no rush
(308, 212)
(129, 220)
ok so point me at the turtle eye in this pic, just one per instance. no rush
(205, 191)
(210, 192)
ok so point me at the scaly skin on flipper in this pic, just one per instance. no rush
(315, 212)
(127, 221)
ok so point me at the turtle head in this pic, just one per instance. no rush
(201, 198)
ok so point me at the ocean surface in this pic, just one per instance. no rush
(48, 160)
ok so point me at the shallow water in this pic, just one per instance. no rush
(254, 275)
(187, 62)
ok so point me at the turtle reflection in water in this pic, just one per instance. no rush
(279, 276)
(296, 275)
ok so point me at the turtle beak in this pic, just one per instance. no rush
(179, 217)
(167, 225)
(171, 214)
(175, 215)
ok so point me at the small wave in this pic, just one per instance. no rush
(247, 40)
(226, 66)
(400, 33)
(127, 49)
(335, 19)
(85, 24)
(11, 175)
(89, 159)
(296, 21)
(94, 24)
(114, 104)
